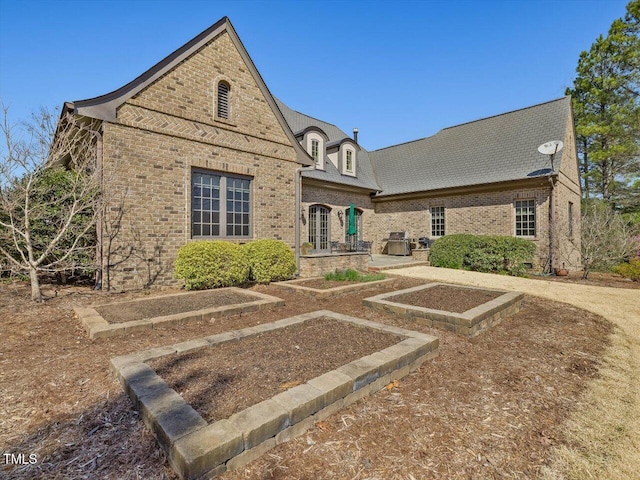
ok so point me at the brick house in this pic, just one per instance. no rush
(198, 148)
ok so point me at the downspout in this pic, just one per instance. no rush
(551, 221)
(298, 202)
(99, 252)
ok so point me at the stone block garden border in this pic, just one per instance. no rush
(98, 327)
(349, 287)
(469, 323)
(198, 450)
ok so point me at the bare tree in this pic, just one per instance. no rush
(49, 194)
(606, 238)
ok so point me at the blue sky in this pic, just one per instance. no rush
(397, 70)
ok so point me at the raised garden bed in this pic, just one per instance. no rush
(122, 318)
(204, 445)
(321, 288)
(464, 310)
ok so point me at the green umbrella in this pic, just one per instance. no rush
(352, 220)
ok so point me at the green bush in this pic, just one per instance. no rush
(270, 260)
(211, 264)
(483, 253)
(629, 270)
(450, 250)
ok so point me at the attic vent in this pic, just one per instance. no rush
(223, 100)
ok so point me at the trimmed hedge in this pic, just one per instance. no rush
(269, 260)
(483, 253)
(209, 264)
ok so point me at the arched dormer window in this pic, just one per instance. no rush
(315, 146)
(223, 103)
(348, 159)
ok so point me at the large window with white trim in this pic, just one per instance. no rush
(525, 218)
(437, 221)
(220, 205)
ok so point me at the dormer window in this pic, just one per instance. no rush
(314, 151)
(348, 155)
(314, 143)
(349, 165)
(222, 105)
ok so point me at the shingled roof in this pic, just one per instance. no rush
(494, 149)
(364, 178)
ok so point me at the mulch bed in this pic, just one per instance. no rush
(220, 381)
(170, 305)
(596, 279)
(322, 284)
(492, 407)
(449, 299)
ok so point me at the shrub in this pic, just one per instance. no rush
(449, 251)
(269, 260)
(629, 270)
(211, 264)
(483, 253)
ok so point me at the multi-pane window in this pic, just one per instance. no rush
(525, 218)
(222, 110)
(220, 205)
(319, 227)
(437, 221)
(349, 161)
(314, 151)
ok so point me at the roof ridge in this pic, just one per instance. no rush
(309, 116)
(505, 113)
(471, 121)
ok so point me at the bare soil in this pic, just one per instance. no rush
(487, 408)
(596, 279)
(220, 381)
(322, 284)
(170, 305)
(449, 299)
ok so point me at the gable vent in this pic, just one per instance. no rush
(223, 100)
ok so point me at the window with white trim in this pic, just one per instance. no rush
(220, 205)
(437, 221)
(525, 218)
(348, 154)
(223, 107)
(315, 147)
(349, 164)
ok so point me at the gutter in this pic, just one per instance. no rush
(298, 203)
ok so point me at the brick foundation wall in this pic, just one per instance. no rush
(318, 265)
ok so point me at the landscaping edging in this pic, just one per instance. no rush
(98, 327)
(199, 450)
(330, 292)
(470, 323)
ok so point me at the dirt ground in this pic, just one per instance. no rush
(218, 382)
(449, 299)
(491, 407)
(596, 279)
(170, 305)
(322, 284)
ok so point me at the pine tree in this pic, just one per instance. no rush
(606, 99)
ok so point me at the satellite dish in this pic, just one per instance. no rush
(550, 148)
